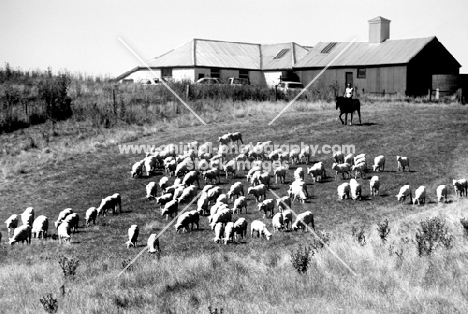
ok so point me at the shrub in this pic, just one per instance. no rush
(125, 263)
(464, 223)
(215, 311)
(300, 258)
(359, 235)
(320, 240)
(49, 304)
(432, 234)
(69, 266)
(383, 229)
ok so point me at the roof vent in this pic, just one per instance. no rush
(282, 53)
(328, 48)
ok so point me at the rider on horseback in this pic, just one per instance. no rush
(349, 92)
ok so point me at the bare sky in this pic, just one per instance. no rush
(82, 36)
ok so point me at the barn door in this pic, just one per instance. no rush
(349, 78)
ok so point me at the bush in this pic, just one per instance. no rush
(69, 266)
(320, 240)
(464, 223)
(433, 234)
(300, 258)
(383, 229)
(215, 311)
(359, 235)
(49, 304)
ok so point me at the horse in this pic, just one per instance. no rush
(348, 105)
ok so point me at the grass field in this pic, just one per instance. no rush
(254, 276)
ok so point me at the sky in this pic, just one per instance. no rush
(83, 36)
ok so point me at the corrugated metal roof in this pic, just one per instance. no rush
(227, 54)
(292, 53)
(180, 56)
(365, 54)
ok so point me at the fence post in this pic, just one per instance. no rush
(115, 103)
(187, 92)
(429, 93)
(437, 94)
(276, 92)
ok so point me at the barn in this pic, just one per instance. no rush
(381, 66)
(261, 64)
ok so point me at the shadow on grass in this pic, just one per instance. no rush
(368, 124)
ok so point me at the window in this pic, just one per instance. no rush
(215, 72)
(328, 48)
(361, 73)
(201, 75)
(166, 72)
(244, 74)
(281, 53)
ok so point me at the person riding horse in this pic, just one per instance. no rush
(348, 104)
(349, 92)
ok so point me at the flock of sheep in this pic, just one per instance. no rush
(212, 202)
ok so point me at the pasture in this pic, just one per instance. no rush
(253, 276)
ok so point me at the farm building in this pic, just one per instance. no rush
(261, 64)
(380, 66)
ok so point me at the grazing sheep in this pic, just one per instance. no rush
(163, 183)
(342, 168)
(240, 228)
(153, 243)
(420, 195)
(133, 232)
(235, 190)
(73, 220)
(217, 207)
(224, 216)
(338, 157)
(343, 191)
(151, 190)
(277, 222)
(206, 188)
(349, 159)
(442, 193)
(219, 231)
(178, 191)
(151, 163)
(405, 191)
(224, 139)
(283, 203)
(356, 190)
(230, 167)
(202, 204)
(257, 191)
(374, 185)
(40, 227)
(305, 153)
(185, 166)
(280, 172)
(460, 187)
(190, 178)
(170, 209)
(188, 218)
(214, 193)
(91, 215)
(229, 233)
(298, 190)
(116, 201)
(260, 228)
(287, 218)
(137, 169)
(188, 193)
(267, 205)
(204, 149)
(192, 145)
(63, 232)
(29, 211)
(359, 168)
(211, 174)
(240, 203)
(21, 234)
(64, 213)
(27, 219)
(361, 159)
(274, 155)
(170, 167)
(235, 137)
(302, 220)
(402, 163)
(164, 199)
(299, 173)
(11, 223)
(172, 188)
(294, 156)
(379, 163)
(110, 203)
(317, 172)
(252, 171)
(261, 178)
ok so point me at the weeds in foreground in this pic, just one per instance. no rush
(215, 311)
(464, 223)
(432, 234)
(383, 229)
(69, 266)
(301, 257)
(49, 303)
(125, 263)
(358, 235)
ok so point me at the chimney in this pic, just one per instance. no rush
(379, 30)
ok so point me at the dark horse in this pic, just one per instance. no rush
(346, 106)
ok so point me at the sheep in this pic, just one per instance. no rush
(402, 163)
(153, 243)
(203, 165)
(261, 178)
(280, 172)
(188, 218)
(460, 187)
(420, 195)
(374, 185)
(302, 220)
(283, 203)
(22, 234)
(287, 218)
(305, 153)
(217, 207)
(356, 190)
(277, 222)
(170, 167)
(73, 220)
(442, 193)
(170, 209)
(294, 156)
(317, 172)
(133, 232)
(240, 203)
(151, 190)
(224, 139)
(63, 232)
(343, 191)
(188, 193)
(223, 215)
(91, 215)
(361, 159)
(172, 188)
(299, 173)
(214, 193)
(202, 204)
(110, 203)
(359, 168)
(342, 168)
(235, 190)
(260, 228)
(206, 188)
(405, 191)
(40, 227)
(379, 163)
(267, 205)
(230, 167)
(219, 231)
(338, 157)
(349, 159)
(151, 163)
(185, 166)
(228, 233)
(211, 174)
(64, 213)
(240, 228)
(298, 190)
(164, 199)
(190, 178)
(137, 169)
(257, 191)
(11, 223)
(27, 219)
(274, 155)
(116, 201)
(163, 183)
(252, 171)
(29, 211)
(235, 137)
(178, 192)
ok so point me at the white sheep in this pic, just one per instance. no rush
(294, 156)
(224, 216)
(405, 191)
(219, 231)
(298, 190)
(178, 191)
(235, 137)
(460, 187)
(277, 222)
(235, 190)
(305, 153)
(302, 220)
(27, 219)
(228, 233)
(224, 139)
(73, 220)
(63, 232)
(338, 157)
(188, 218)
(287, 218)
(280, 172)
(317, 172)
(356, 190)
(240, 203)
(349, 159)
(374, 185)
(185, 166)
(170, 167)
(40, 227)
(151, 190)
(420, 195)
(29, 211)
(137, 169)
(133, 232)
(261, 178)
(260, 228)
(21, 234)
(402, 163)
(342, 168)
(240, 228)
(211, 174)
(170, 209)
(442, 193)
(190, 178)
(214, 193)
(251, 172)
(217, 207)
(299, 173)
(153, 243)
(151, 163)
(283, 203)
(379, 163)
(188, 193)
(202, 204)
(110, 203)
(64, 213)
(257, 191)
(91, 215)
(267, 205)
(164, 199)
(12, 223)
(343, 191)
(230, 167)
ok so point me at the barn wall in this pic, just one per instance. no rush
(225, 74)
(143, 75)
(205, 71)
(183, 74)
(257, 78)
